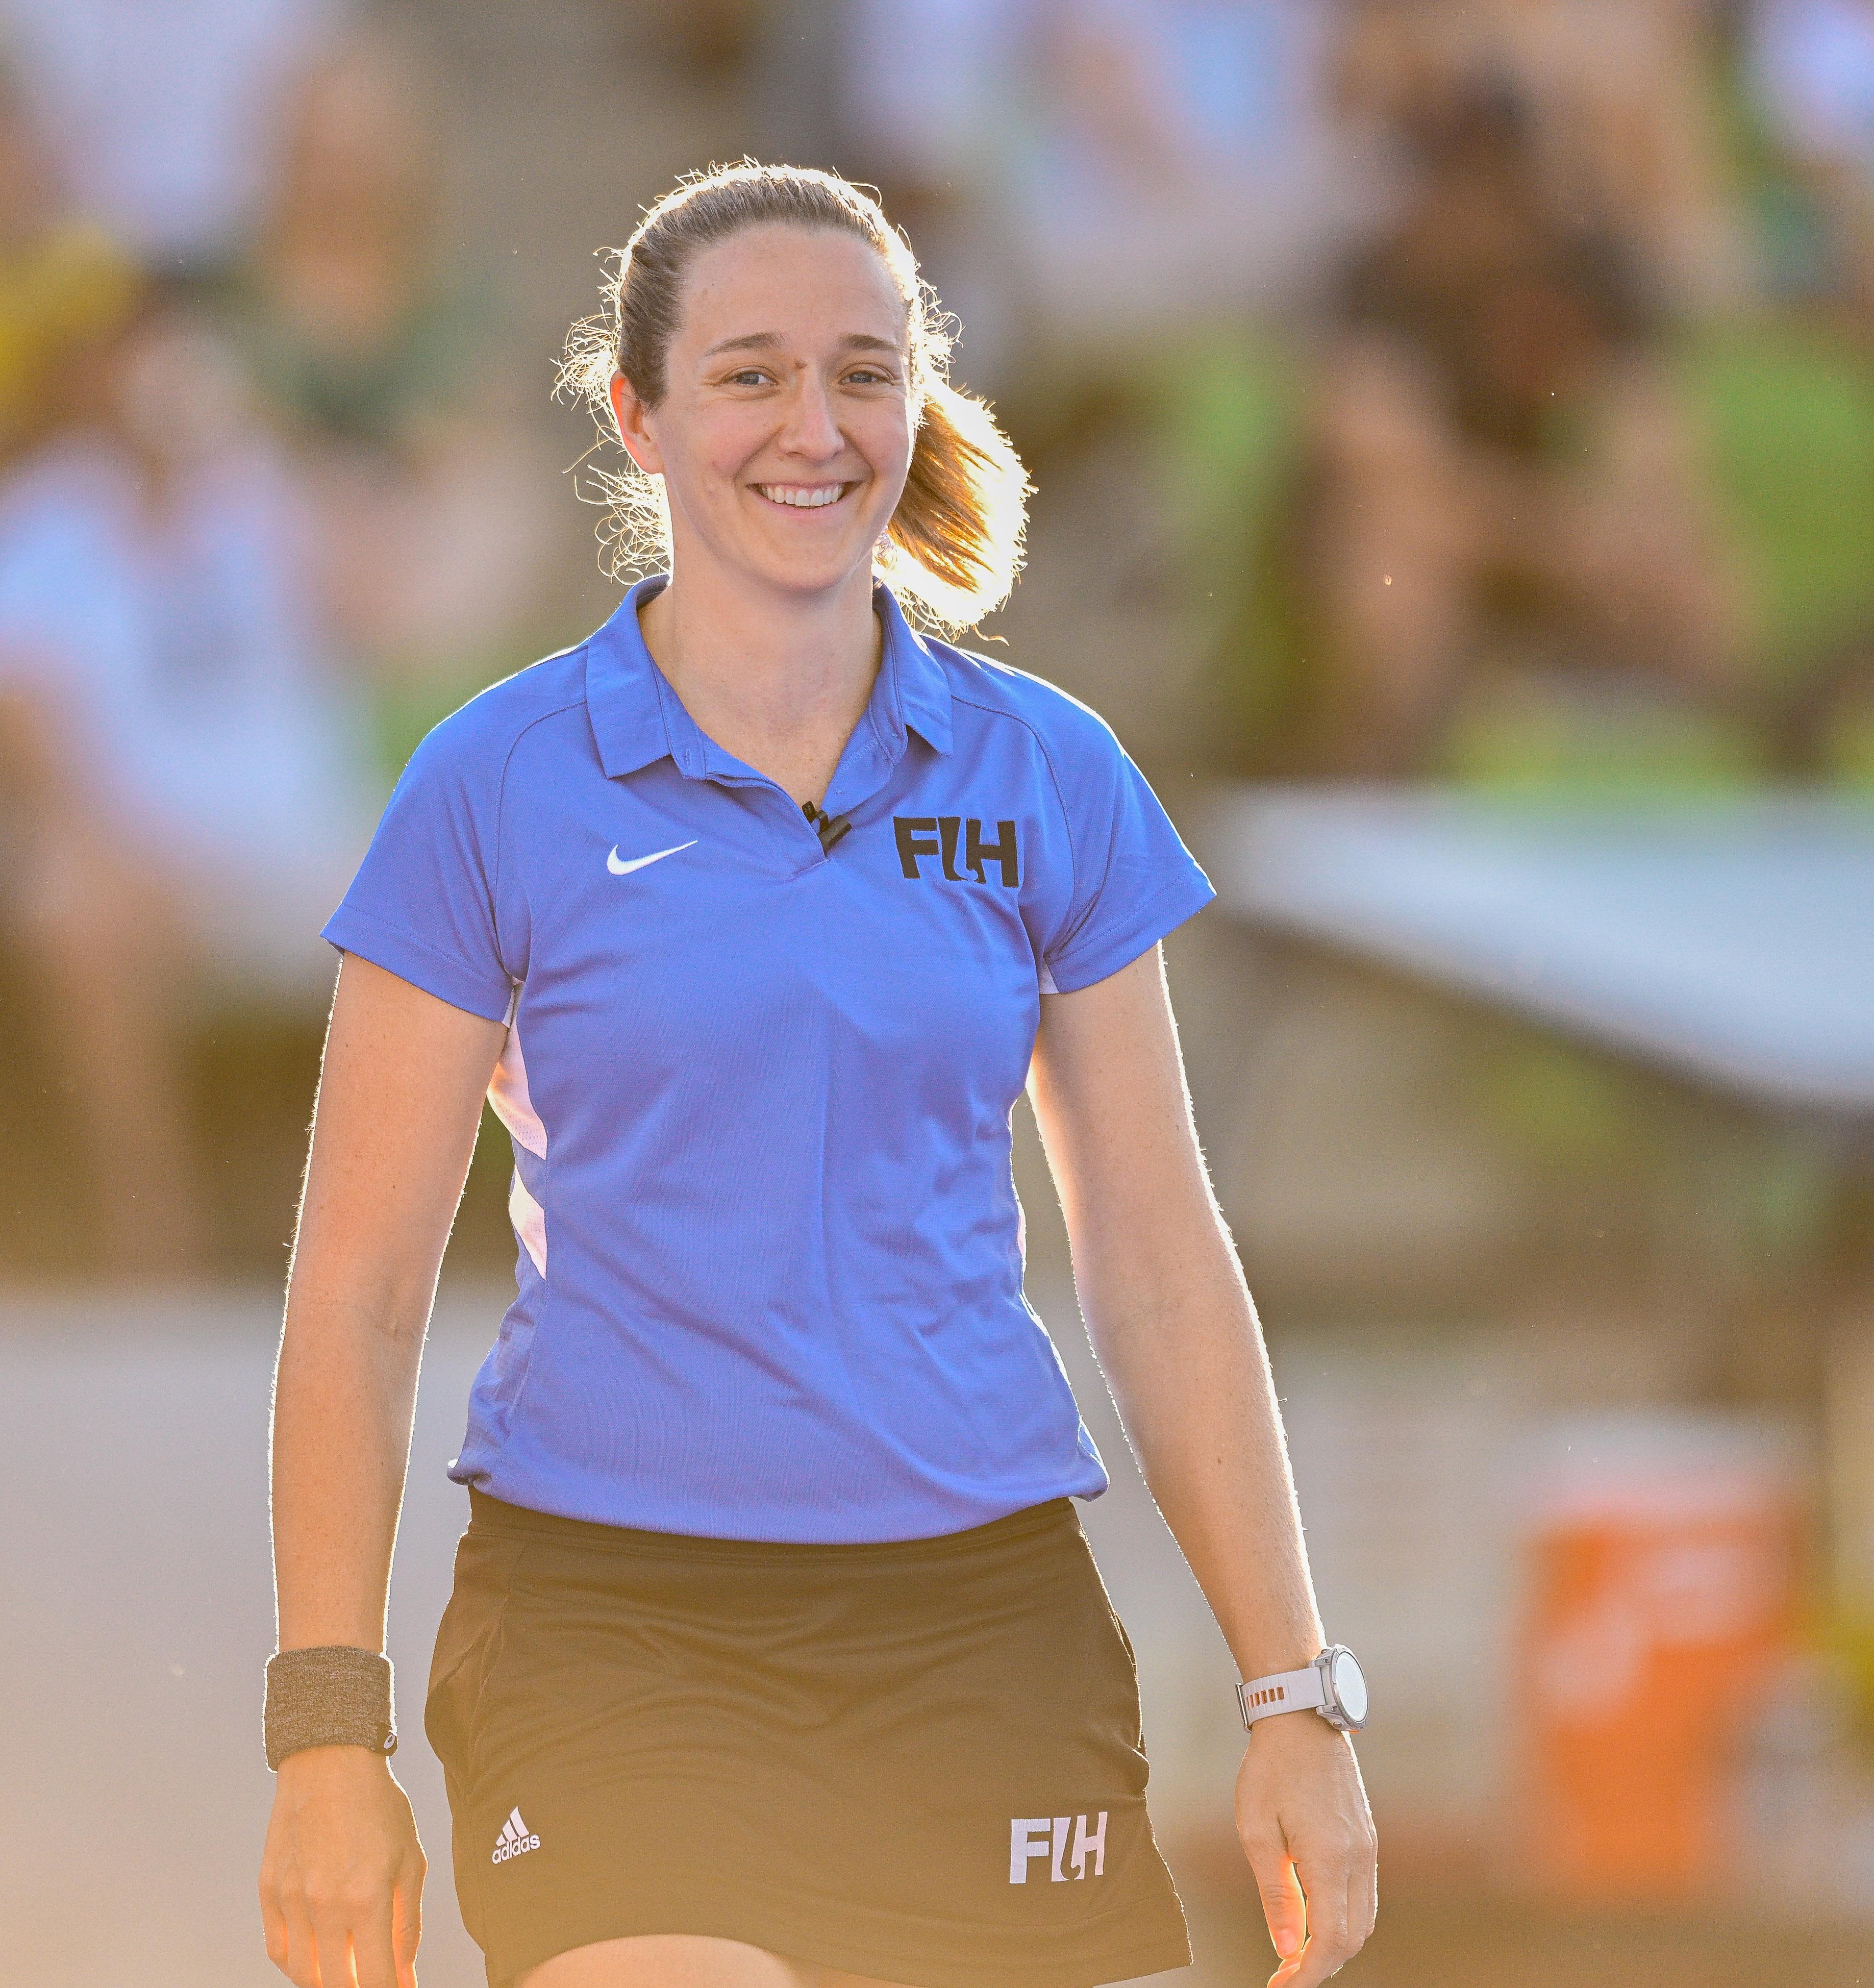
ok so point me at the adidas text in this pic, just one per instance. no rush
(515, 1840)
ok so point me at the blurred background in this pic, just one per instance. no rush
(1453, 427)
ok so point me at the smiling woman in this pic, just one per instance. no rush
(776, 1658)
(952, 542)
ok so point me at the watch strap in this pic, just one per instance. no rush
(1282, 1691)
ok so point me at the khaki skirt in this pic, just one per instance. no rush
(920, 1761)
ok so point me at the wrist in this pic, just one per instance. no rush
(1271, 1659)
(306, 1763)
(332, 1696)
(1294, 1638)
(1331, 1684)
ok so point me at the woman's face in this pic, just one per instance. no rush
(785, 430)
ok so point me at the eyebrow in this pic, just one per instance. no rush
(755, 341)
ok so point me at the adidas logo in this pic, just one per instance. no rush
(514, 1840)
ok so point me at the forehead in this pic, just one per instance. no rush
(802, 283)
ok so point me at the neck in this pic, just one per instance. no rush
(778, 680)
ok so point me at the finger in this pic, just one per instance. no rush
(1324, 1887)
(1283, 1905)
(332, 1931)
(407, 1921)
(373, 1946)
(273, 1922)
(301, 1963)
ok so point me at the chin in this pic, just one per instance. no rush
(818, 574)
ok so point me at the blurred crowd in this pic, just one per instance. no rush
(261, 473)
(1497, 376)
(1508, 363)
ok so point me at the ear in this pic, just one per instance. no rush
(633, 419)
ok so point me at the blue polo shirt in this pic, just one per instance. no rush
(769, 1271)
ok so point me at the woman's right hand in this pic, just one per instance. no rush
(341, 1880)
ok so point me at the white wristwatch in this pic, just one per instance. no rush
(1333, 1684)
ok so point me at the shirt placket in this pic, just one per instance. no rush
(865, 765)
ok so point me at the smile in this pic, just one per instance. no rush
(803, 496)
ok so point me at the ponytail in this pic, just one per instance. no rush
(953, 545)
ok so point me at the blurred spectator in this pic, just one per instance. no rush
(1500, 459)
(1178, 161)
(181, 790)
(709, 39)
(927, 88)
(432, 507)
(58, 276)
(162, 113)
(1809, 72)
(1079, 175)
(1786, 393)
(1620, 105)
(925, 100)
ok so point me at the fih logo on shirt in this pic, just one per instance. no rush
(938, 835)
(1032, 1836)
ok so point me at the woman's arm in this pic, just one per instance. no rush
(1171, 1320)
(400, 1097)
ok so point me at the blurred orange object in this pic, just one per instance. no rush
(1663, 1561)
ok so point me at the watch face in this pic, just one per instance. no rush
(1350, 1685)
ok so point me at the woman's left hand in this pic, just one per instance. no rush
(1302, 1819)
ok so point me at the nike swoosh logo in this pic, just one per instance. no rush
(622, 869)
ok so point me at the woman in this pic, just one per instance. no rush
(183, 771)
(775, 1655)
(434, 526)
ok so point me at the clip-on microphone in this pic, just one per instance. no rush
(828, 827)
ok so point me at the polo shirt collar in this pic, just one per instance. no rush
(622, 689)
(637, 717)
(916, 686)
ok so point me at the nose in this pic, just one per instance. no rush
(810, 431)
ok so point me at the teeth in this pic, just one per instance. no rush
(802, 500)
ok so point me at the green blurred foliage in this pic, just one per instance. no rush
(1787, 410)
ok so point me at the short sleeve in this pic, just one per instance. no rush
(1133, 879)
(424, 904)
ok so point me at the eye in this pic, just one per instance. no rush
(869, 375)
(749, 376)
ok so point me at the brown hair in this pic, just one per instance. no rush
(953, 545)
